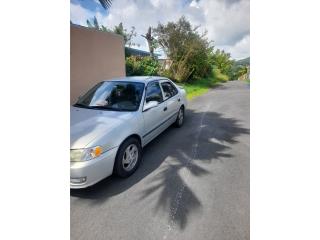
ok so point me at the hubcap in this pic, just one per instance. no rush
(130, 157)
(180, 117)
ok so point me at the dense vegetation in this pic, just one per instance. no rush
(142, 66)
(188, 50)
(195, 63)
(241, 69)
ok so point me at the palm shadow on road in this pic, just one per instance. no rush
(204, 138)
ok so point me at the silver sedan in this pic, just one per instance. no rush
(114, 120)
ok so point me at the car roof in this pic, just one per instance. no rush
(142, 79)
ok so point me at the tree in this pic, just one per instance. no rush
(127, 36)
(117, 29)
(152, 43)
(242, 70)
(95, 24)
(89, 24)
(188, 50)
(222, 60)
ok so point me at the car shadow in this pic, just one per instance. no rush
(205, 137)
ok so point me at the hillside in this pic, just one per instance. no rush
(245, 61)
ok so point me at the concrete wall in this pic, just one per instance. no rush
(94, 56)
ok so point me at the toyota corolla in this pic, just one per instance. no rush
(114, 120)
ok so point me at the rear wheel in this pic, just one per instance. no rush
(180, 118)
(128, 157)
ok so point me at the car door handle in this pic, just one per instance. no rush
(179, 100)
(165, 109)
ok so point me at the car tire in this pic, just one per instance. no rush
(125, 157)
(180, 118)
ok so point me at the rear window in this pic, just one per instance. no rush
(168, 89)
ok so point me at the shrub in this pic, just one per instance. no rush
(141, 66)
(218, 76)
(222, 61)
(166, 73)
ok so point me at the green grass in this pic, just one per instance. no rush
(198, 87)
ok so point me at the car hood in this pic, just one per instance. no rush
(88, 124)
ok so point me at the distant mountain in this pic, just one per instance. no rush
(243, 62)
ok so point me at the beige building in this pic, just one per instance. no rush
(94, 56)
(165, 63)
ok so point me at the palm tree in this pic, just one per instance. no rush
(151, 42)
(105, 3)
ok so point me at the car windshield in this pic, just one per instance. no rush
(112, 95)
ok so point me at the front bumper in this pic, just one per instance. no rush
(85, 174)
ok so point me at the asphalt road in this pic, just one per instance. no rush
(193, 182)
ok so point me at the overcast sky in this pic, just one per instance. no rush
(227, 21)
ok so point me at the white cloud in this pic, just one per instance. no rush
(79, 15)
(155, 3)
(194, 3)
(239, 50)
(227, 21)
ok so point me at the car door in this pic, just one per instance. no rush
(171, 97)
(153, 117)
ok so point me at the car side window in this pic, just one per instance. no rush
(154, 92)
(174, 89)
(168, 89)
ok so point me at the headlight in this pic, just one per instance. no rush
(86, 154)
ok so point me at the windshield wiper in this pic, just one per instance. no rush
(101, 107)
(81, 105)
(109, 108)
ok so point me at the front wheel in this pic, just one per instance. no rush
(180, 118)
(128, 157)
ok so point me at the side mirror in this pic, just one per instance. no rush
(150, 105)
